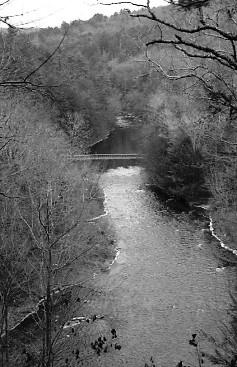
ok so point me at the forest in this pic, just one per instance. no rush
(173, 69)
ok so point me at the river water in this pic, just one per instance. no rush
(167, 281)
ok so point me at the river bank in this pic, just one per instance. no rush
(222, 231)
(224, 223)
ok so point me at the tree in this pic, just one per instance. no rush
(195, 41)
(43, 203)
(13, 74)
(15, 275)
(43, 212)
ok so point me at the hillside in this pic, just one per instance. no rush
(172, 71)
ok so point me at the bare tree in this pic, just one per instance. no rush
(43, 214)
(203, 37)
(9, 69)
(15, 275)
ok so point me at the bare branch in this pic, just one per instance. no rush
(124, 3)
(5, 21)
(71, 261)
(30, 228)
(48, 58)
(10, 197)
(196, 30)
(4, 145)
(75, 224)
(5, 2)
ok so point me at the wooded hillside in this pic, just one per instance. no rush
(173, 69)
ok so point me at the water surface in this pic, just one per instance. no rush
(167, 282)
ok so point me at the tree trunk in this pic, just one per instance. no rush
(48, 314)
(1, 331)
(48, 306)
(43, 348)
(6, 335)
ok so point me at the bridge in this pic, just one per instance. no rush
(96, 157)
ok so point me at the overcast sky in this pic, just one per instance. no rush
(44, 13)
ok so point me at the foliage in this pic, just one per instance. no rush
(42, 206)
(175, 167)
(183, 88)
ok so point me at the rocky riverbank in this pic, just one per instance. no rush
(218, 228)
(225, 226)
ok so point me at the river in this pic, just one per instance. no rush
(167, 282)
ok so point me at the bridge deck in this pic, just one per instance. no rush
(86, 157)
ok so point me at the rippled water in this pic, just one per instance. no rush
(167, 282)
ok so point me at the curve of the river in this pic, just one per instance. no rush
(167, 282)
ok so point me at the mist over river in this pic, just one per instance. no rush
(166, 283)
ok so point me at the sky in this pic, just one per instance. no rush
(46, 13)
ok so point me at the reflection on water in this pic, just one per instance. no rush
(167, 282)
(121, 140)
